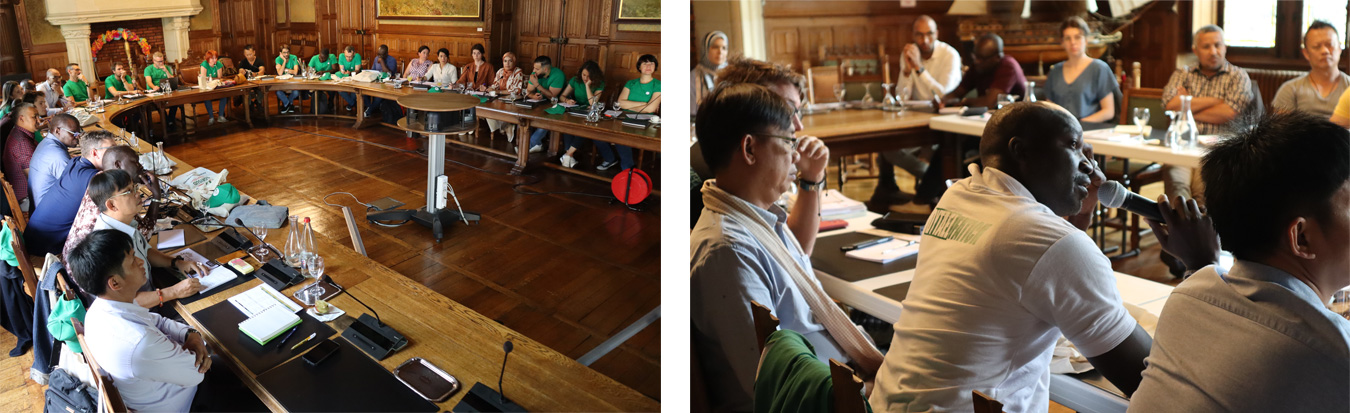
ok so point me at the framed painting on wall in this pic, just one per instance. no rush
(430, 9)
(636, 10)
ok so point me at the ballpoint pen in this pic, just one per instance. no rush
(302, 342)
(288, 335)
(866, 244)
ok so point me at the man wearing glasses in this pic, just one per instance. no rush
(744, 248)
(48, 226)
(52, 155)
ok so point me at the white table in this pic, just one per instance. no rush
(1066, 390)
(1130, 150)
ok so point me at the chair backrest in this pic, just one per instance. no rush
(765, 322)
(848, 388)
(1150, 98)
(30, 280)
(20, 222)
(984, 404)
(820, 82)
(107, 392)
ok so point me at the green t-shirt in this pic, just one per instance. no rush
(4, 111)
(291, 62)
(113, 82)
(213, 70)
(579, 90)
(639, 92)
(156, 74)
(322, 66)
(554, 79)
(76, 89)
(349, 65)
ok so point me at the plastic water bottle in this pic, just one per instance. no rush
(307, 242)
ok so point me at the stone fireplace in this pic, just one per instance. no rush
(74, 17)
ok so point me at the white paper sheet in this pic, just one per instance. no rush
(219, 275)
(884, 253)
(171, 239)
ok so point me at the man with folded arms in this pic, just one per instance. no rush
(52, 155)
(1259, 337)
(48, 226)
(744, 249)
(1001, 276)
(156, 363)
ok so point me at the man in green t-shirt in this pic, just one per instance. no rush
(119, 83)
(287, 64)
(156, 73)
(349, 63)
(75, 88)
(552, 82)
(324, 63)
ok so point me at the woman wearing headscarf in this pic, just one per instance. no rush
(704, 76)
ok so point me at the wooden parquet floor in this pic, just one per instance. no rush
(566, 270)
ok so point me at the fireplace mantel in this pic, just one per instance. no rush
(74, 17)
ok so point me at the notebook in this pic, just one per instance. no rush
(269, 324)
(219, 276)
(260, 299)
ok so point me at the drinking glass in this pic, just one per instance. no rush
(616, 106)
(1140, 119)
(260, 251)
(1340, 303)
(839, 92)
(314, 267)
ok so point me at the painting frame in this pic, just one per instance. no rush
(380, 14)
(635, 18)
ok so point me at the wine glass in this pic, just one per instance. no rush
(1340, 303)
(867, 95)
(260, 251)
(315, 267)
(839, 92)
(1141, 116)
(616, 106)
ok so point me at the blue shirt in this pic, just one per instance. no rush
(728, 268)
(1084, 96)
(49, 225)
(386, 65)
(50, 160)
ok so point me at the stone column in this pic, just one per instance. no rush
(176, 38)
(78, 50)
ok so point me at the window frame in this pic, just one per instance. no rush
(1287, 54)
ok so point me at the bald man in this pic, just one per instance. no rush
(929, 69)
(51, 90)
(991, 73)
(1002, 276)
(52, 155)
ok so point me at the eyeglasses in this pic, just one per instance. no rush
(792, 141)
(135, 189)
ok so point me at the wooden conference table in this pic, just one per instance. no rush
(455, 338)
(608, 130)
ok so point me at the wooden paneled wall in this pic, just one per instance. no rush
(591, 31)
(795, 31)
(1151, 41)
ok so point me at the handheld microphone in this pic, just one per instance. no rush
(1114, 195)
(507, 347)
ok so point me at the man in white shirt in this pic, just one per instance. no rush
(929, 69)
(55, 101)
(1260, 337)
(156, 363)
(1001, 276)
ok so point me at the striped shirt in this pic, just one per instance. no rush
(418, 68)
(1230, 84)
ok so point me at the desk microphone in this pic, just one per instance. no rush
(1114, 195)
(329, 279)
(508, 346)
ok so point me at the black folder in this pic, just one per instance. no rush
(223, 319)
(828, 258)
(347, 381)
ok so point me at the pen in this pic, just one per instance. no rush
(302, 342)
(866, 244)
(901, 248)
(288, 335)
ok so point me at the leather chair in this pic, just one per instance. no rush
(1135, 175)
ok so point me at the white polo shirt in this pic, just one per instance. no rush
(999, 278)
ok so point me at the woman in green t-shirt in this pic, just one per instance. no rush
(349, 63)
(641, 95)
(158, 72)
(583, 89)
(287, 64)
(211, 67)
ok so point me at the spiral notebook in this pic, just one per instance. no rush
(267, 325)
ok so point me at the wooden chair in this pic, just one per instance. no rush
(848, 387)
(20, 221)
(30, 280)
(1135, 175)
(108, 395)
(984, 404)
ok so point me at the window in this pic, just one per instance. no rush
(1257, 20)
(1329, 11)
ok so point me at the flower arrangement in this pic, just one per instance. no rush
(119, 34)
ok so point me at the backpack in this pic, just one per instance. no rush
(67, 394)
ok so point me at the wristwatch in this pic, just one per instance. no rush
(189, 332)
(920, 70)
(806, 185)
(174, 263)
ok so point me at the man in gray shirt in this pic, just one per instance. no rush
(1318, 91)
(1260, 337)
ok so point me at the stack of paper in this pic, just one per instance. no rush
(260, 299)
(834, 205)
(218, 276)
(902, 246)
